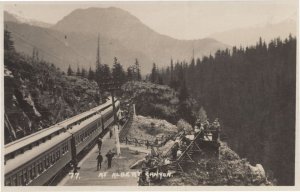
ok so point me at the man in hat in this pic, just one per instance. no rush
(110, 133)
(109, 157)
(99, 161)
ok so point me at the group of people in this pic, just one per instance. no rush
(109, 155)
(181, 144)
(156, 162)
(205, 126)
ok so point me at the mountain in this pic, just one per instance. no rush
(122, 35)
(10, 17)
(75, 49)
(250, 35)
(18, 19)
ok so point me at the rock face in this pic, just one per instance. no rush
(38, 95)
(147, 128)
(229, 169)
(157, 101)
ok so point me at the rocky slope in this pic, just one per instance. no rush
(157, 101)
(228, 170)
(37, 95)
(147, 128)
(208, 170)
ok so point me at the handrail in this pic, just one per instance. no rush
(169, 151)
(126, 125)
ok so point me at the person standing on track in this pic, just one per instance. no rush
(99, 161)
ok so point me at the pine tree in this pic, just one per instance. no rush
(183, 94)
(106, 73)
(129, 74)
(138, 71)
(83, 72)
(91, 74)
(154, 73)
(160, 80)
(78, 72)
(70, 71)
(118, 72)
(8, 43)
(172, 71)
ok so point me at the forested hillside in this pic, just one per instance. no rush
(38, 95)
(252, 90)
(158, 101)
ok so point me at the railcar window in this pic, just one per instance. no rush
(47, 162)
(30, 176)
(57, 155)
(8, 182)
(20, 180)
(41, 166)
(33, 170)
(25, 173)
(53, 158)
(14, 180)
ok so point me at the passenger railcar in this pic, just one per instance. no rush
(26, 143)
(36, 165)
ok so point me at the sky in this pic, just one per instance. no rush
(175, 19)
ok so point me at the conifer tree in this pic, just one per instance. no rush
(70, 71)
(118, 72)
(83, 72)
(91, 74)
(138, 70)
(78, 72)
(129, 74)
(8, 43)
(154, 73)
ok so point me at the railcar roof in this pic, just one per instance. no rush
(15, 145)
(34, 152)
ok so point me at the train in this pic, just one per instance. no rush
(34, 159)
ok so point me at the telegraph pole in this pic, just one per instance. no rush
(112, 86)
(114, 106)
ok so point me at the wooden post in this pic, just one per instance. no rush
(117, 140)
(114, 107)
(134, 113)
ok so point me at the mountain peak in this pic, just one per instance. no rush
(112, 21)
(122, 35)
